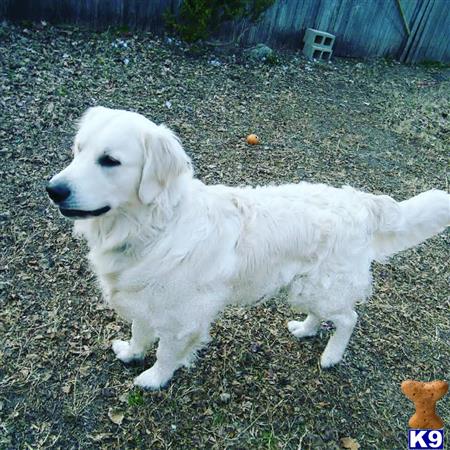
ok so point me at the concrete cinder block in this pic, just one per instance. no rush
(318, 44)
(317, 52)
(317, 37)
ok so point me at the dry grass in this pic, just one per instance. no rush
(378, 126)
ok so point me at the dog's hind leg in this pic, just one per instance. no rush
(306, 328)
(334, 351)
(311, 324)
(134, 349)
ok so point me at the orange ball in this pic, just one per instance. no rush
(252, 139)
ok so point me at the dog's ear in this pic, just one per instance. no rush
(164, 161)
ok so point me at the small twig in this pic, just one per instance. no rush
(301, 440)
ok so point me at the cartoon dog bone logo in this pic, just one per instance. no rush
(424, 396)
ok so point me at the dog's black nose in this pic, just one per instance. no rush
(58, 192)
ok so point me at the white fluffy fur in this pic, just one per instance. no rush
(173, 252)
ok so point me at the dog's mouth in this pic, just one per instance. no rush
(80, 214)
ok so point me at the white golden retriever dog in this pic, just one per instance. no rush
(171, 252)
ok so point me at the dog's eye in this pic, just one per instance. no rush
(108, 161)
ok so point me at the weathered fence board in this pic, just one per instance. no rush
(98, 14)
(364, 28)
(432, 37)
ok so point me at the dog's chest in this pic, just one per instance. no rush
(111, 265)
(113, 259)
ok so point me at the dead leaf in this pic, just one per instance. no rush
(349, 443)
(116, 415)
(323, 404)
(100, 436)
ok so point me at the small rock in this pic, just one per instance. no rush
(107, 392)
(215, 62)
(225, 397)
(260, 52)
(4, 216)
(329, 435)
(255, 347)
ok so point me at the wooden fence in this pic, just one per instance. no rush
(407, 30)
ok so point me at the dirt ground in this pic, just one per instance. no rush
(377, 125)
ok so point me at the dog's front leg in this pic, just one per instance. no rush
(173, 352)
(142, 336)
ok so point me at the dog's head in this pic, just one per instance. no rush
(120, 158)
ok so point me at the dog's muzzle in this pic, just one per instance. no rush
(59, 193)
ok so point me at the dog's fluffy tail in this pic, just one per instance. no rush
(405, 224)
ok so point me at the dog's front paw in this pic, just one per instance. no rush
(153, 378)
(329, 359)
(125, 352)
